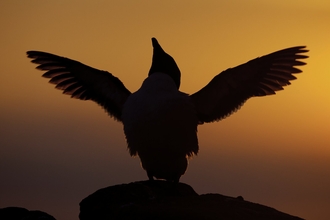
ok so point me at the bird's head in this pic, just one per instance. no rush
(164, 63)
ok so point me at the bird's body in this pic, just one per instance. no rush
(160, 122)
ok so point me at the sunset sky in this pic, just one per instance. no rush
(55, 151)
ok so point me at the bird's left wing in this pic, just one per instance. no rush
(83, 82)
(262, 76)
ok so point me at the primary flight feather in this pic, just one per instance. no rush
(160, 122)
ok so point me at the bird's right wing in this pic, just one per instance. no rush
(262, 76)
(83, 82)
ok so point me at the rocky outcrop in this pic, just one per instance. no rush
(17, 213)
(166, 200)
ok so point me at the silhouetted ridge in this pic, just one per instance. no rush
(18, 213)
(164, 200)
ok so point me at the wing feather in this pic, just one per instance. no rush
(83, 82)
(262, 76)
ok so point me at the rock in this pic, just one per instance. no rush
(17, 213)
(166, 200)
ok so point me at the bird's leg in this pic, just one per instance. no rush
(150, 176)
(176, 180)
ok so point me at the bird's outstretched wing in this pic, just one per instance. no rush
(83, 82)
(228, 91)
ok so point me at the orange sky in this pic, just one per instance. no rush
(55, 151)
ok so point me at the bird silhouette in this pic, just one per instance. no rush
(160, 122)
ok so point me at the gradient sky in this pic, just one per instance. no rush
(55, 151)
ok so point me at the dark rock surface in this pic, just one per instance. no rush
(165, 200)
(17, 213)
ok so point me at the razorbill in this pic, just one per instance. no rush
(160, 122)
